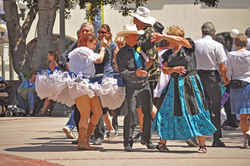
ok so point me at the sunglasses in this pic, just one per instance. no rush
(102, 32)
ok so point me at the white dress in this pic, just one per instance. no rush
(65, 87)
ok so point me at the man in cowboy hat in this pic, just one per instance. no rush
(132, 69)
(148, 50)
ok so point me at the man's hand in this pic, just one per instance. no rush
(180, 70)
(104, 42)
(156, 37)
(141, 73)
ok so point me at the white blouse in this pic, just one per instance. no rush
(81, 61)
(239, 65)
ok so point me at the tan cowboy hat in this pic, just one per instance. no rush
(143, 14)
(130, 29)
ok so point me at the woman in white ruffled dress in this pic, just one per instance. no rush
(81, 62)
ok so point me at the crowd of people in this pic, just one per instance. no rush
(160, 80)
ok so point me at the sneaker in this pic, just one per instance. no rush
(112, 133)
(245, 144)
(202, 149)
(68, 133)
(98, 141)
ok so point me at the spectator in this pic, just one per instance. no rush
(26, 94)
(247, 33)
(53, 66)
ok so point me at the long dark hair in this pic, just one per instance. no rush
(55, 55)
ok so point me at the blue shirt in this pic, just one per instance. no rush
(27, 84)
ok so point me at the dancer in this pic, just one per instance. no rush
(104, 33)
(239, 61)
(148, 50)
(211, 58)
(132, 69)
(183, 113)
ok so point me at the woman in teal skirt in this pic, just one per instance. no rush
(183, 113)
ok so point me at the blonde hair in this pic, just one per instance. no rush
(241, 40)
(175, 31)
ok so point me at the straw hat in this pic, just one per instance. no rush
(143, 14)
(130, 29)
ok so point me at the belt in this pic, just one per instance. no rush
(213, 72)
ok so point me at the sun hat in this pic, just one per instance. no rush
(130, 29)
(143, 14)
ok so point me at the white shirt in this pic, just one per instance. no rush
(81, 61)
(209, 53)
(239, 65)
(164, 79)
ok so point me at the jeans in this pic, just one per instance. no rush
(71, 122)
(29, 104)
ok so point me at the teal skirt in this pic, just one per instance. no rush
(183, 113)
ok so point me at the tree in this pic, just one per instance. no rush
(18, 32)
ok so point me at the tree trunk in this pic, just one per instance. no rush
(47, 15)
(17, 35)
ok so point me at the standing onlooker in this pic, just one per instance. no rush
(211, 58)
(240, 84)
(247, 33)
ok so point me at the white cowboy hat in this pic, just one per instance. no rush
(234, 33)
(143, 14)
(130, 29)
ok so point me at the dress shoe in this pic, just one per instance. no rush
(128, 148)
(149, 145)
(218, 143)
(248, 137)
(75, 142)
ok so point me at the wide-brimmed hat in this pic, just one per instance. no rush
(143, 14)
(234, 33)
(130, 29)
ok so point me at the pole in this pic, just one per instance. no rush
(11, 70)
(62, 27)
(3, 62)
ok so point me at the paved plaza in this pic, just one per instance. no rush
(28, 141)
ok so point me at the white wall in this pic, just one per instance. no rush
(231, 14)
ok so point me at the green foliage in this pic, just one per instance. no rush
(210, 3)
(124, 5)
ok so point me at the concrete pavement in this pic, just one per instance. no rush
(41, 141)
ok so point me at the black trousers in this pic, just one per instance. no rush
(231, 119)
(77, 117)
(211, 85)
(141, 94)
(100, 129)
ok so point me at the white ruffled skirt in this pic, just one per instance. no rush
(62, 87)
